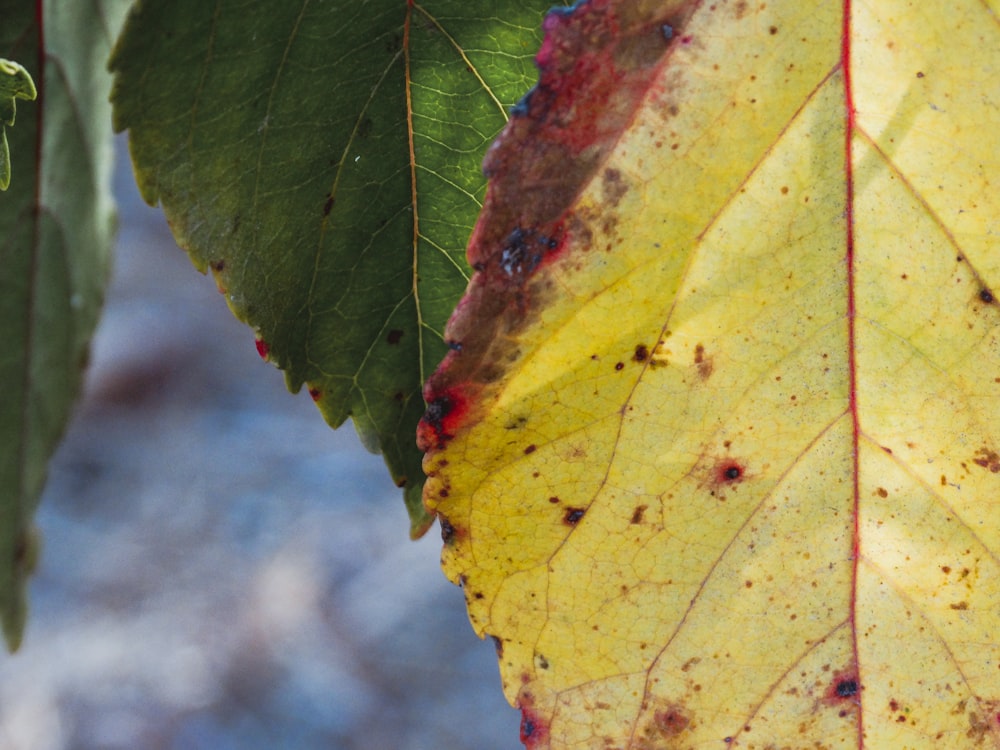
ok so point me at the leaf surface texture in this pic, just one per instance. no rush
(717, 463)
(323, 160)
(56, 221)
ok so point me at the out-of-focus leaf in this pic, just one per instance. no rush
(15, 83)
(718, 461)
(323, 159)
(56, 223)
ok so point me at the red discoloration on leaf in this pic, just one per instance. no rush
(445, 410)
(729, 472)
(262, 348)
(594, 66)
(844, 689)
(315, 394)
(988, 459)
(534, 731)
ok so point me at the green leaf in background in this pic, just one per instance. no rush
(56, 225)
(323, 160)
(15, 83)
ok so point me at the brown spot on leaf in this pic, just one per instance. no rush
(638, 513)
(448, 532)
(328, 205)
(669, 720)
(572, 516)
(394, 336)
(613, 187)
(984, 720)
(704, 363)
(641, 353)
(988, 459)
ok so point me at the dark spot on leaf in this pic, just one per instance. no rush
(730, 472)
(447, 530)
(986, 296)
(401, 482)
(641, 353)
(530, 449)
(445, 409)
(554, 500)
(668, 31)
(533, 727)
(613, 187)
(619, 365)
(527, 727)
(455, 346)
(328, 205)
(315, 394)
(524, 250)
(987, 458)
(498, 645)
(21, 548)
(394, 44)
(638, 513)
(671, 721)
(218, 265)
(394, 336)
(521, 109)
(773, 30)
(668, 721)
(572, 516)
(365, 127)
(847, 688)
(704, 364)
(398, 396)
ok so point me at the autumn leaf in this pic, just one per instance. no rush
(717, 464)
(323, 160)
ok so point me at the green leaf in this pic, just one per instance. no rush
(56, 224)
(15, 83)
(323, 159)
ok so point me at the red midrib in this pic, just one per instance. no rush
(845, 62)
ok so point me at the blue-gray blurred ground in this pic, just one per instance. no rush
(222, 571)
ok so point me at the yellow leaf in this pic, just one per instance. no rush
(717, 455)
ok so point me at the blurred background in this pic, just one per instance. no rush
(221, 570)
